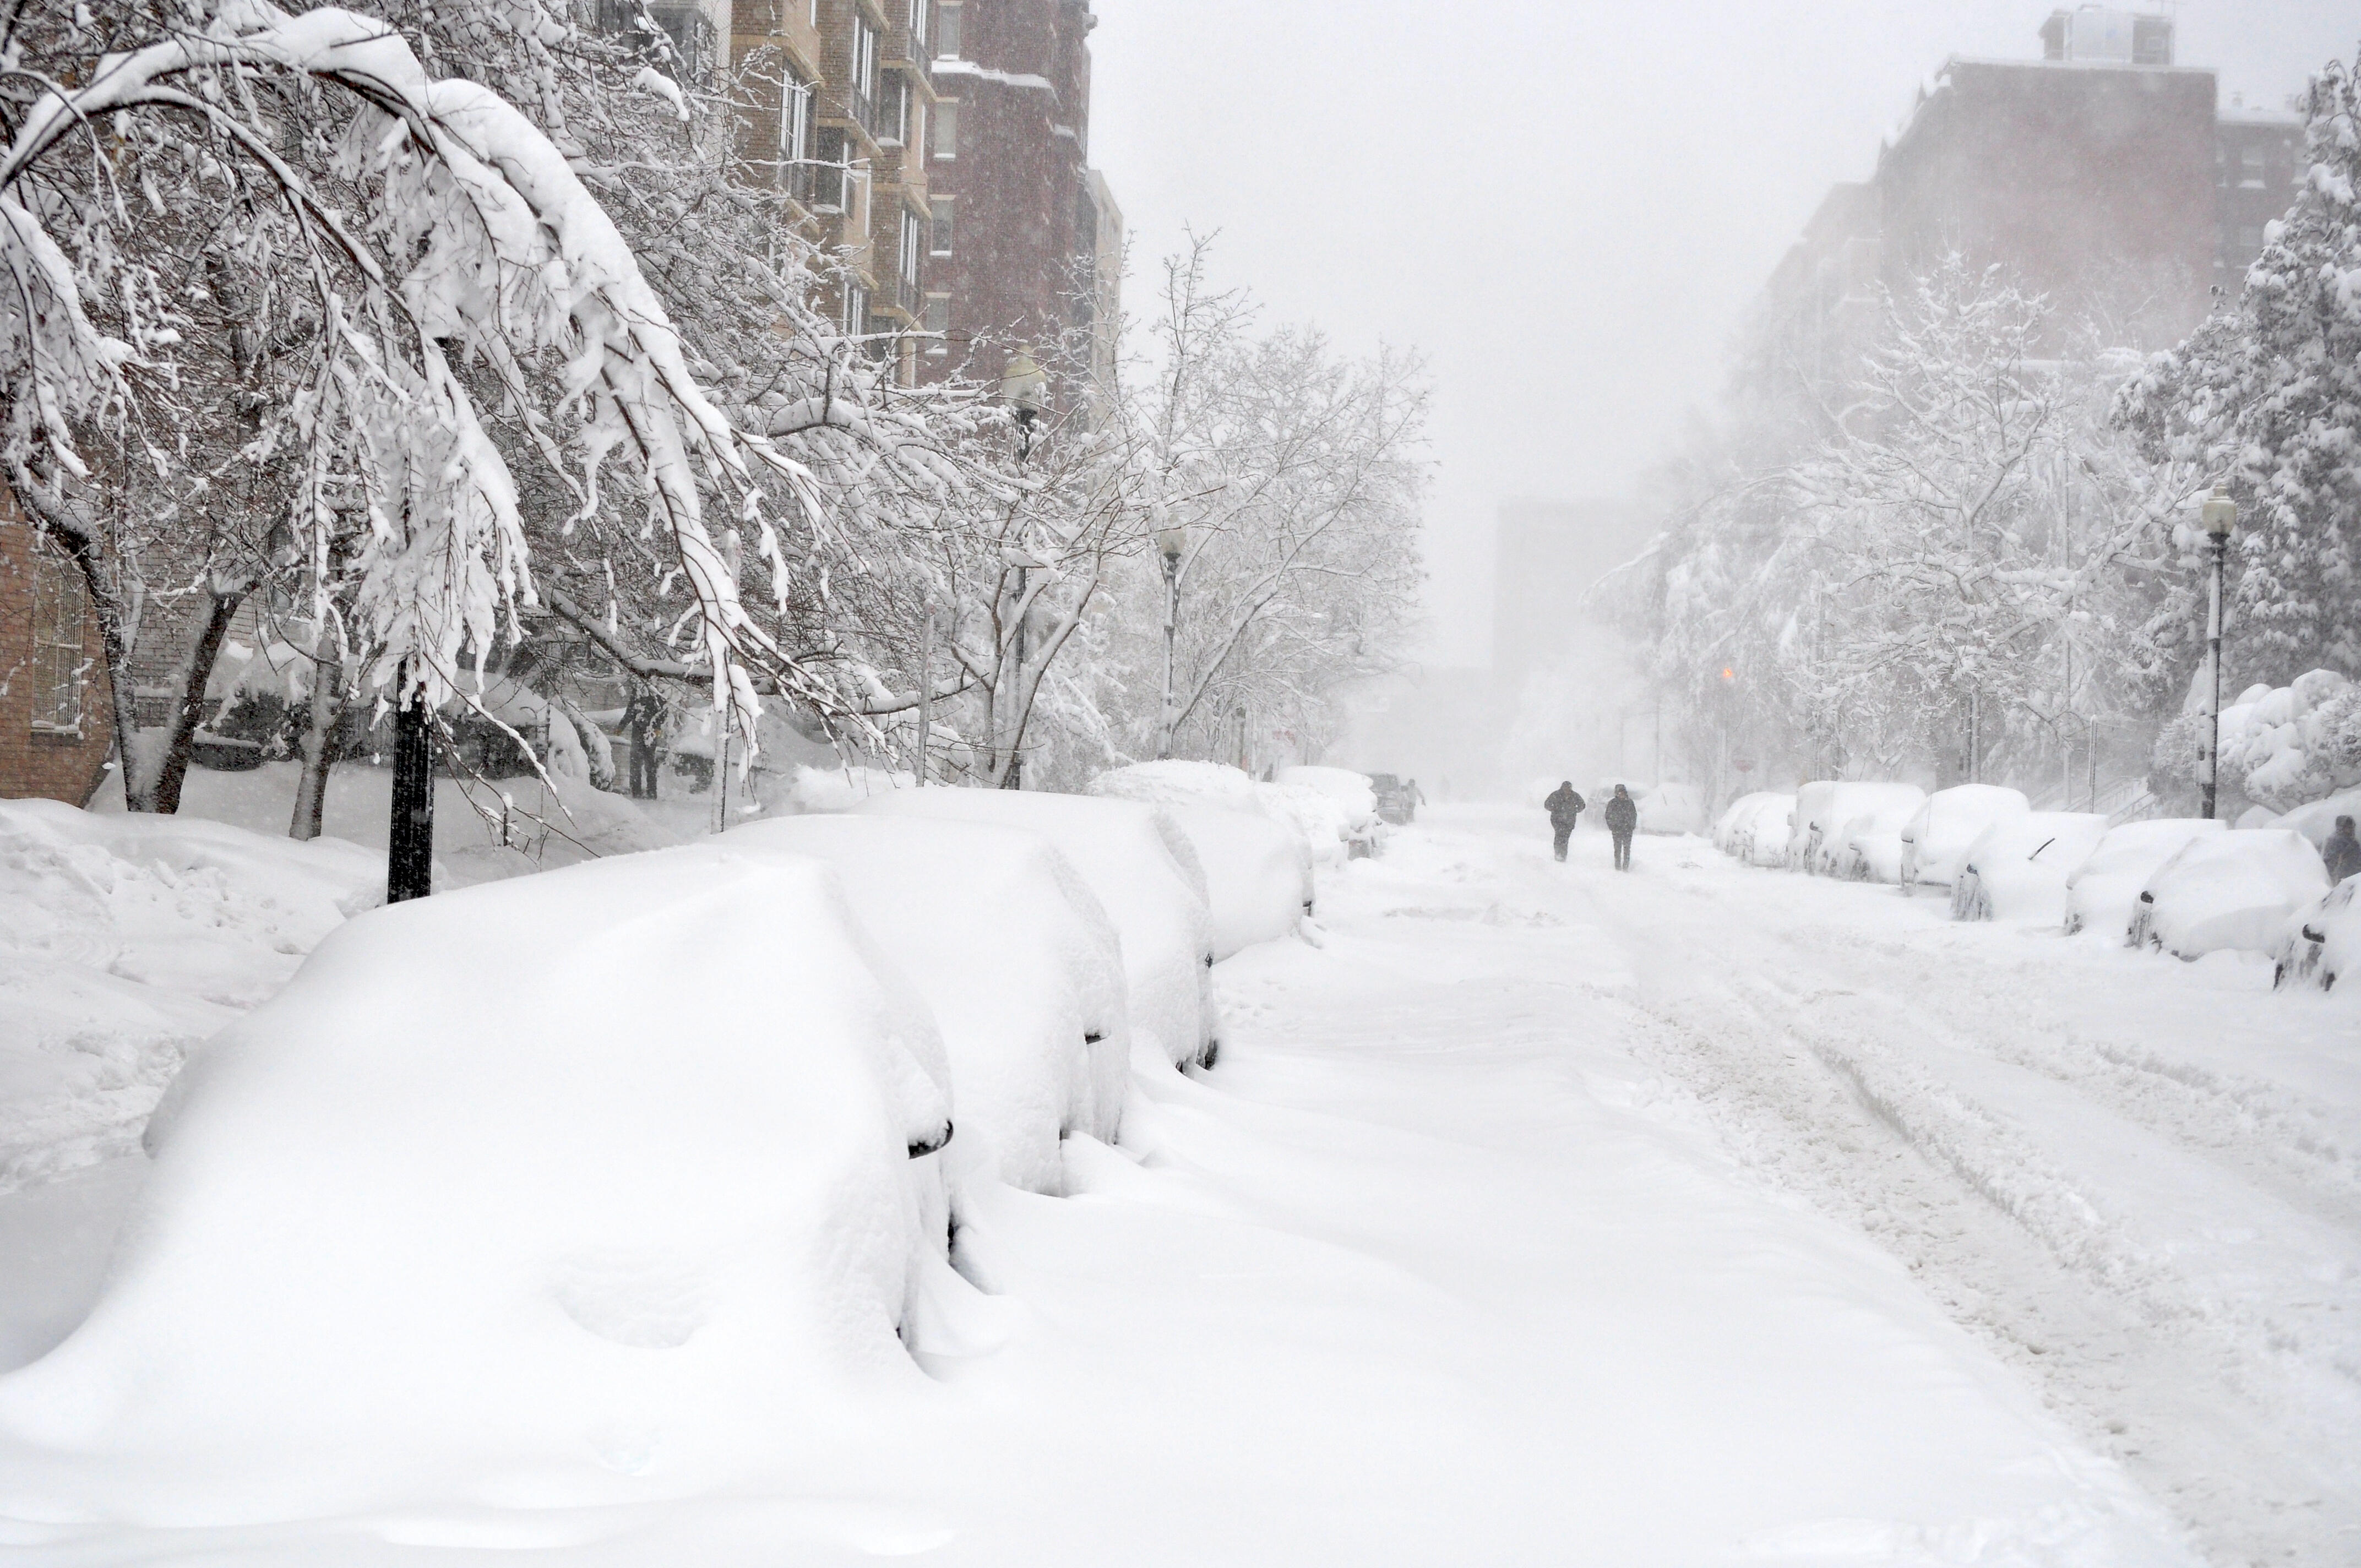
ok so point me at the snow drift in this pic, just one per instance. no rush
(2228, 891)
(1145, 876)
(1021, 966)
(587, 1187)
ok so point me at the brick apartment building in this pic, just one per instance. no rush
(54, 729)
(2102, 175)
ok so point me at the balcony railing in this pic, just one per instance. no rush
(911, 298)
(865, 106)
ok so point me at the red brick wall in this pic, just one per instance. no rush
(34, 763)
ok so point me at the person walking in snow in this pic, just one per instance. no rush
(1565, 809)
(1622, 820)
(1412, 798)
(2341, 853)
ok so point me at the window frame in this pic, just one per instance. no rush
(946, 131)
(942, 225)
(948, 31)
(61, 633)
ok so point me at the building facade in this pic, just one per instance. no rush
(55, 731)
(2101, 175)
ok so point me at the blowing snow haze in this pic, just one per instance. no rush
(1571, 213)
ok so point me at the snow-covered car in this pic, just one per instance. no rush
(1352, 803)
(1825, 809)
(1673, 808)
(1146, 875)
(2101, 892)
(2227, 892)
(1257, 873)
(508, 1182)
(1938, 834)
(1872, 843)
(2017, 869)
(1236, 885)
(1755, 828)
(1014, 954)
(2320, 942)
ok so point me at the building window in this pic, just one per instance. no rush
(938, 322)
(947, 32)
(795, 134)
(912, 245)
(856, 309)
(58, 613)
(864, 75)
(942, 206)
(918, 29)
(2250, 166)
(947, 129)
(836, 179)
(894, 101)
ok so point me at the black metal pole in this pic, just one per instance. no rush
(2213, 659)
(410, 839)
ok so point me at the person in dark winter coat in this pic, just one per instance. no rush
(1565, 809)
(1622, 820)
(2341, 853)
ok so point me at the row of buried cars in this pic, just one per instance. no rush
(639, 1177)
(2181, 885)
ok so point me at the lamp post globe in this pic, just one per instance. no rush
(1024, 387)
(1171, 543)
(2220, 516)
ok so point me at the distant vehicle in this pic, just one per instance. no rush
(1397, 799)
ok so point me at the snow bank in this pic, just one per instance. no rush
(1672, 809)
(2228, 892)
(2320, 941)
(1825, 808)
(1144, 872)
(1755, 829)
(1257, 873)
(626, 1202)
(2103, 892)
(1015, 955)
(123, 941)
(841, 788)
(2018, 866)
(1938, 834)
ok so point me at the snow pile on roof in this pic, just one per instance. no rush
(2228, 891)
(2286, 745)
(1825, 807)
(124, 940)
(1938, 834)
(1257, 873)
(1145, 874)
(1672, 809)
(2017, 869)
(1755, 829)
(1175, 782)
(2101, 892)
(1021, 966)
(623, 1205)
(2320, 941)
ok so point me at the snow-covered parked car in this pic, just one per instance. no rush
(2101, 892)
(1672, 809)
(1937, 835)
(1352, 802)
(2228, 891)
(2017, 867)
(1872, 843)
(544, 1183)
(1755, 828)
(1014, 954)
(1146, 875)
(2322, 941)
(1242, 873)
(1826, 808)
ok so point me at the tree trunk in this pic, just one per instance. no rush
(162, 791)
(326, 710)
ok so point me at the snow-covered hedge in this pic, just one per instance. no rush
(2228, 891)
(2281, 746)
(1938, 835)
(1016, 958)
(1145, 874)
(596, 1185)
(2103, 891)
(2018, 866)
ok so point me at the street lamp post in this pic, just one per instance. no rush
(410, 839)
(1170, 542)
(1024, 387)
(2220, 514)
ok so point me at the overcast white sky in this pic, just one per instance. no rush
(1565, 205)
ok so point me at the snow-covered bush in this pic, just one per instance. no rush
(2228, 891)
(2322, 941)
(2103, 891)
(2018, 866)
(1939, 833)
(1824, 808)
(1257, 873)
(590, 1186)
(1145, 874)
(1755, 829)
(1015, 955)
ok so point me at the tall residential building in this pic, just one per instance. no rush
(1025, 242)
(2101, 175)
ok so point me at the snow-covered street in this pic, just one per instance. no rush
(1543, 1215)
